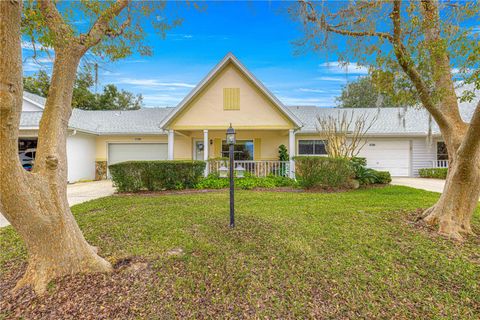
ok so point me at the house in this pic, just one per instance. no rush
(399, 140)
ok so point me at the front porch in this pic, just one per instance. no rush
(257, 151)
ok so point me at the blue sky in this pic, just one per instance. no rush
(258, 33)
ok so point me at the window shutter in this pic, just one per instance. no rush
(231, 98)
(217, 147)
(257, 149)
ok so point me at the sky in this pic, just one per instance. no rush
(259, 34)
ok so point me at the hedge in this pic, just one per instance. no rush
(134, 176)
(435, 173)
(323, 172)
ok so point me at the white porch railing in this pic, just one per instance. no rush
(440, 164)
(261, 168)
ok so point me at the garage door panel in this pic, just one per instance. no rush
(120, 152)
(388, 155)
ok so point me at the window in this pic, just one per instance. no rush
(231, 98)
(242, 150)
(312, 147)
(442, 153)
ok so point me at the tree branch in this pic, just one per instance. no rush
(313, 17)
(405, 61)
(101, 28)
(54, 21)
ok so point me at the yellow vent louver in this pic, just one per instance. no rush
(231, 98)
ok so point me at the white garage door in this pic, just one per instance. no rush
(120, 152)
(388, 155)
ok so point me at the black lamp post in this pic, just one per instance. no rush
(231, 145)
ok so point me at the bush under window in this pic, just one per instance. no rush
(134, 176)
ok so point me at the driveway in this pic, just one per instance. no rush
(435, 185)
(81, 192)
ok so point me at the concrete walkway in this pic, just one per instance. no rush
(81, 192)
(435, 185)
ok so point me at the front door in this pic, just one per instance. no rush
(198, 150)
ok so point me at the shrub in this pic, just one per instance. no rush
(323, 172)
(363, 174)
(435, 173)
(133, 176)
(366, 175)
(249, 182)
(382, 177)
(213, 181)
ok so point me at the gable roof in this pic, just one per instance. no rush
(230, 58)
(34, 99)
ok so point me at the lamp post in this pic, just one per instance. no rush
(231, 145)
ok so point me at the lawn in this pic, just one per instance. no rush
(292, 255)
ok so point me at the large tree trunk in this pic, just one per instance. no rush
(36, 203)
(453, 211)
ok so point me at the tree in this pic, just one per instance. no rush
(114, 99)
(345, 133)
(83, 97)
(410, 42)
(363, 93)
(38, 83)
(35, 203)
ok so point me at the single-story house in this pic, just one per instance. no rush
(399, 141)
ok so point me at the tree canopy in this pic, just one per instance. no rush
(111, 98)
(363, 93)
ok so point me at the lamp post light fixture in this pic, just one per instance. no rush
(231, 144)
(223, 171)
(240, 171)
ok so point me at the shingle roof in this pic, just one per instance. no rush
(390, 121)
(144, 121)
(35, 98)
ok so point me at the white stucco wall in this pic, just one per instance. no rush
(80, 157)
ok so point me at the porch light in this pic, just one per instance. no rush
(223, 171)
(240, 171)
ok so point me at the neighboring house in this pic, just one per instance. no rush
(398, 141)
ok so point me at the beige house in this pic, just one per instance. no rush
(230, 94)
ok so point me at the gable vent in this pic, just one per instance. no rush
(231, 98)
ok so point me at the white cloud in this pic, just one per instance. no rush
(319, 102)
(337, 67)
(154, 83)
(336, 79)
(156, 100)
(311, 90)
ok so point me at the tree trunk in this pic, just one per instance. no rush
(35, 203)
(454, 210)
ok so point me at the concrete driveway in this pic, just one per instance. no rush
(435, 185)
(81, 192)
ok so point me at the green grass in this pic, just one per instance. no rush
(292, 255)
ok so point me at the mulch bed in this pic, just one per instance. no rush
(278, 189)
(119, 295)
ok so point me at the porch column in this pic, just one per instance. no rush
(205, 150)
(170, 144)
(291, 152)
